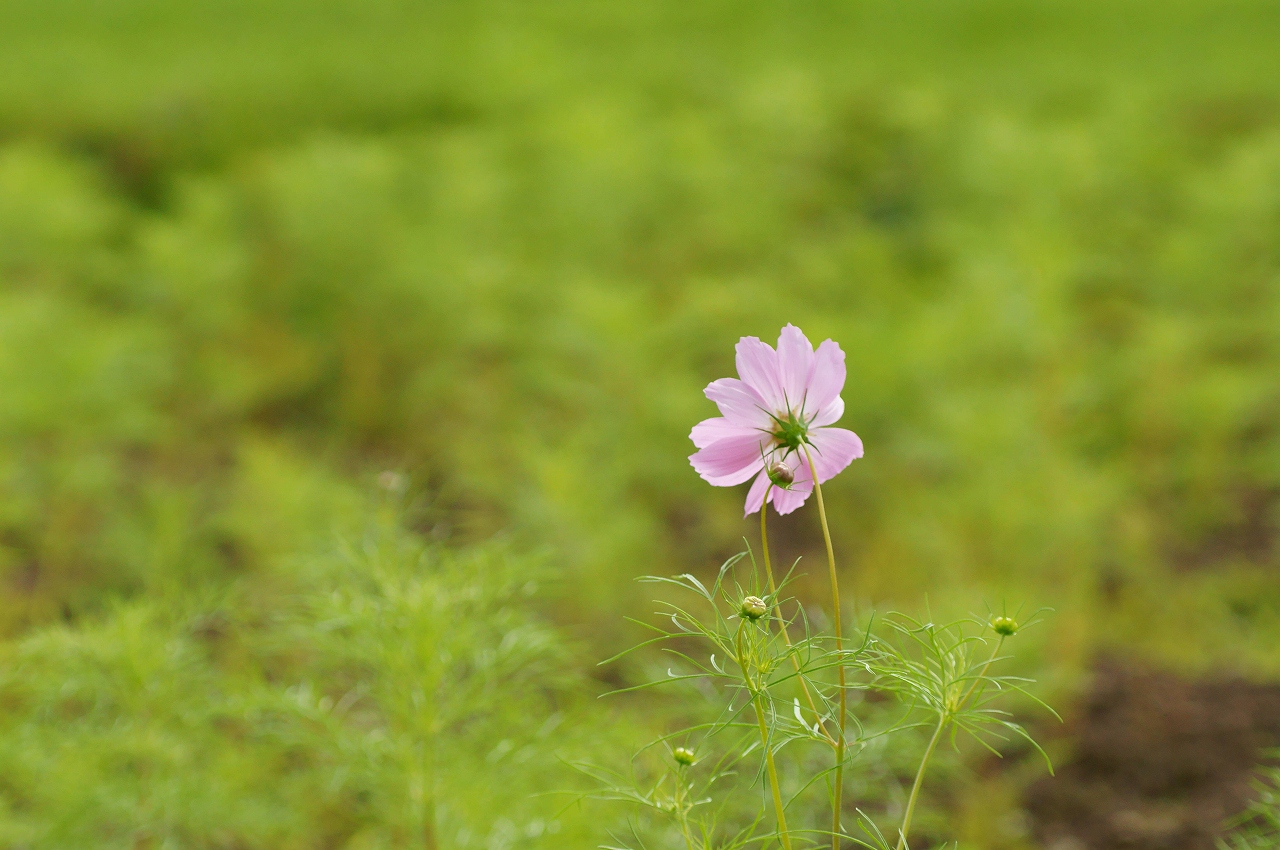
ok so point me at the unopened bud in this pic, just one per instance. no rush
(780, 474)
(753, 608)
(1004, 626)
(683, 756)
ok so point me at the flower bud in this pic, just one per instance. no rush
(683, 756)
(1004, 626)
(780, 474)
(753, 608)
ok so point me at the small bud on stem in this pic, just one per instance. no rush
(683, 756)
(781, 475)
(1004, 626)
(753, 608)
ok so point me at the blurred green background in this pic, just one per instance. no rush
(255, 254)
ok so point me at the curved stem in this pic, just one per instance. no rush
(783, 834)
(837, 798)
(782, 624)
(933, 743)
(915, 787)
(680, 807)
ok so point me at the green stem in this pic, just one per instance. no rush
(756, 703)
(680, 808)
(837, 799)
(783, 834)
(782, 624)
(933, 743)
(915, 787)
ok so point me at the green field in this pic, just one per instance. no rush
(255, 254)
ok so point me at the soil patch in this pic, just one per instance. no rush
(1159, 762)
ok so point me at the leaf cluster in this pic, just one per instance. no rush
(777, 673)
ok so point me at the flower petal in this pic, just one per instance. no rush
(795, 364)
(831, 413)
(708, 431)
(729, 460)
(833, 449)
(739, 403)
(786, 501)
(755, 496)
(827, 379)
(758, 366)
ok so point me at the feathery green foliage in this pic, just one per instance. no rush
(731, 651)
(387, 694)
(1258, 826)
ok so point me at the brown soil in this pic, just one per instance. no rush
(1159, 762)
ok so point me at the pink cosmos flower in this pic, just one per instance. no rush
(782, 404)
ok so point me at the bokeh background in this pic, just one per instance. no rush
(349, 349)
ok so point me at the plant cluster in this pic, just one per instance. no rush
(780, 686)
(386, 693)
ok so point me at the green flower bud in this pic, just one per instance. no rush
(683, 756)
(781, 475)
(1004, 626)
(753, 608)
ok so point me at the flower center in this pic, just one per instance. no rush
(789, 431)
